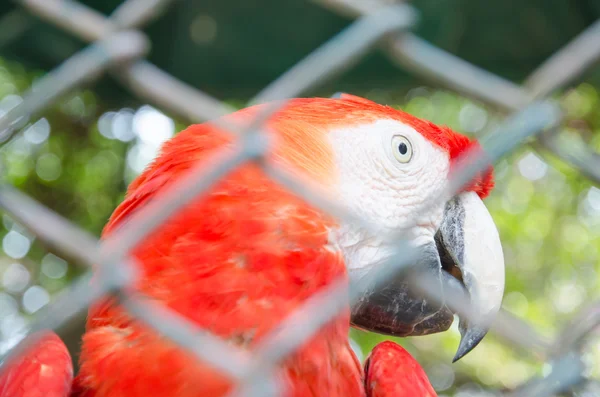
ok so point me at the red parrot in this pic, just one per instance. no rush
(239, 259)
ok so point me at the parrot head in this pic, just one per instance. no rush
(383, 164)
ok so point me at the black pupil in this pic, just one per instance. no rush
(402, 148)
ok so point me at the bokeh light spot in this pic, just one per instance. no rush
(15, 277)
(472, 118)
(152, 126)
(54, 267)
(35, 298)
(532, 167)
(48, 167)
(15, 244)
(203, 29)
(38, 132)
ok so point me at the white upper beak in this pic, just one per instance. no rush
(470, 236)
(482, 267)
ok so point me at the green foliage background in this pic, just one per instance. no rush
(547, 213)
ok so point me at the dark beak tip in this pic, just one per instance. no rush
(460, 353)
(468, 341)
(464, 348)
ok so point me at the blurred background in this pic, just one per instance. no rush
(80, 155)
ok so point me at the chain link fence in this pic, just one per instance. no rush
(118, 48)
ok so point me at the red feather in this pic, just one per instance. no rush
(390, 371)
(43, 370)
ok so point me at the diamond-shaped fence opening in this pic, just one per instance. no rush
(528, 114)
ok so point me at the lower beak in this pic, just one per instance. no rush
(465, 254)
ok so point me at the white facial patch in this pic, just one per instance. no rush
(380, 186)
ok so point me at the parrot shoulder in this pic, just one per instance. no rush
(390, 371)
(45, 369)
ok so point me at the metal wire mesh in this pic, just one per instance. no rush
(119, 49)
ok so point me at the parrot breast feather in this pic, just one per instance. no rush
(235, 261)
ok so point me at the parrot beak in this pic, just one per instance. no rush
(469, 242)
(466, 254)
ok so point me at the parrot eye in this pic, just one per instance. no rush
(402, 148)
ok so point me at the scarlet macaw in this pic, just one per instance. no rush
(243, 256)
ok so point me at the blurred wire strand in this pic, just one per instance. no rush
(118, 49)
